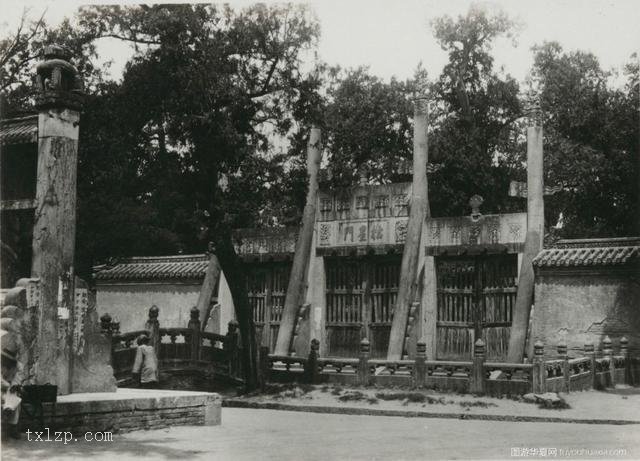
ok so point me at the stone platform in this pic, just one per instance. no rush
(129, 410)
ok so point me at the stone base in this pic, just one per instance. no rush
(128, 410)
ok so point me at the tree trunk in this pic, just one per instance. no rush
(295, 289)
(411, 252)
(232, 266)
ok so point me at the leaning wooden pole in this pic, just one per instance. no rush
(295, 289)
(532, 246)
(211, 279)
(411, 253)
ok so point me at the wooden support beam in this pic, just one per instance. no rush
(411, 253)
(295, 289)
(211, 279)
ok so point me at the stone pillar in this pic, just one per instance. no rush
(420, 377)
(539, 373)
(194, 326)
(295, 289)
(589, 351)
(312, 362)
(624, 352)
(417, 213)
(607, 352)
(532, 246)
(477, 384)
(152, 325)
(105, 324)
(59, 101)
(363, 363)
(564, 356)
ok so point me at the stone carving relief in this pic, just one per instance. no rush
(474, 235)
(435, 233)
(362, 233)
(515, 231)
(401, 204)
(325, 234)
(377, 232)
(401, 231)
(456, 232)
(362, 202)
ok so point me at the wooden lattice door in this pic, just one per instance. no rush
(361, 294)
(267, 287)
(476, 297)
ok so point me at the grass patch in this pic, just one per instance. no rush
(411, 397)
(476, 404)
(554, 405)
(336, 390)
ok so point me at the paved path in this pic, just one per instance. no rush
(280, 435)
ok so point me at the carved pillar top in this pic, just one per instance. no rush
(421, 105)
(59, 84)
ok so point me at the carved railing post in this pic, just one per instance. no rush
(607, 352)
(539, 370)
(105, 325)
(194, 326)
(564, 355)
(624, 352)
(311, 366)
(153, 327)
(477, 384)
(420, 366)
(589, 351)
(363, 363)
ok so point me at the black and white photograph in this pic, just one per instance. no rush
(320, 230)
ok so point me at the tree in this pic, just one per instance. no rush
(209, 79)
(591, 133)
(367, 126)
(474, 117)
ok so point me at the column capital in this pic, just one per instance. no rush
(58, 81)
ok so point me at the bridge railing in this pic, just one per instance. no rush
(178, 350)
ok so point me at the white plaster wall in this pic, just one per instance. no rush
(221, 317)
(129, 303)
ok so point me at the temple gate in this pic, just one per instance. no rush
(361, 295)
(267, 254)
(477, 260)
(475, 300)
(267, 286)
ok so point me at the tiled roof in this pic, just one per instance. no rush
(178, 267)
(590, 252)
(19, 130)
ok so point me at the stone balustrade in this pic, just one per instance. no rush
(559, 373)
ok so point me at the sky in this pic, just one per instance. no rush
(392, 37)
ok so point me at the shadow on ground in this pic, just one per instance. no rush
(120, 448)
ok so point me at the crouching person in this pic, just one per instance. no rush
(145, 366)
